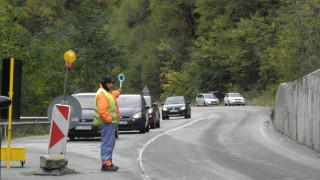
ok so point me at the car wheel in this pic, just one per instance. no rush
(197, 104)
(204, 104)
(153, 124)
(163, 118)
(158, 123)
(186, 115)
(142, 130)
(189, 115)
(148, 125)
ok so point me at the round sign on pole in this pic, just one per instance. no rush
(121, 77)
(75, 106)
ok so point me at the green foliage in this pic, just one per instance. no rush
(172, 47)
(295, 50)
(182, 83)
(14, 38)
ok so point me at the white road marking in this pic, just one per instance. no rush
(139, 159)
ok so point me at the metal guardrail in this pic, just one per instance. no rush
(26, 121)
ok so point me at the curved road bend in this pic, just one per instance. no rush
(216, 143)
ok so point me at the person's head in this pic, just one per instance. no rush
(107, 83)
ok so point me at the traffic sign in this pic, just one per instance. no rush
(121, 78)
(74, 104)
(59, 129)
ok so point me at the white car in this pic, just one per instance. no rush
(206, 99)
(234, 99)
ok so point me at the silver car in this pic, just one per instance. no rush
(234, 99)
(206, 99)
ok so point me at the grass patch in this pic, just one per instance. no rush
(26, 130)
(264, 101)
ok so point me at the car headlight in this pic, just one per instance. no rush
(164, 109)
(182, 108)
(137, 116)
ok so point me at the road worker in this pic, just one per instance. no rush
(106, 115)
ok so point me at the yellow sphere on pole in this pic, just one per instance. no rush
(70, 55)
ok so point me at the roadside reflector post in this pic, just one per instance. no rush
(54, 164)
(69, 57)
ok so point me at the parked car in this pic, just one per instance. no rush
(133, 113)
(206, 99)
(234, 99)
(176, 106)
(85, 127)
(218, 94)
(154, 113)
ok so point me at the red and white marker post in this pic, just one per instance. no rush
(59, 129)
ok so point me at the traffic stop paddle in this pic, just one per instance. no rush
(121, 78)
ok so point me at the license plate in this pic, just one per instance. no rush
(123, 122)
(83, 127)
(174, 111)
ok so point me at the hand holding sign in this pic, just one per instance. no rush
(121, 78)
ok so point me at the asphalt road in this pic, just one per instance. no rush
(216, 143)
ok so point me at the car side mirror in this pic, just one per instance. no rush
(4, 102)
(162, 103)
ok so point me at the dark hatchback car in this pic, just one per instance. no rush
(218, 94)
(133, 112)
(176, 106)
(154, 113)
(85, 127)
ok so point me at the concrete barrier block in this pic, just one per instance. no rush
(297, 112)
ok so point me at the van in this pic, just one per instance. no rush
(203, 99)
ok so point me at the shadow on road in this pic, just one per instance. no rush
(84, 139)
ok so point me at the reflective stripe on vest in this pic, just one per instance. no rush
(111, 109)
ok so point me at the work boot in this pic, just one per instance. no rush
(114, 166)
(109, 168)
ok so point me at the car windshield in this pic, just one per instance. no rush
(209, 96)
(148, 100)
(175, 100)
(235, 95)
(86, 101)
(129, 101)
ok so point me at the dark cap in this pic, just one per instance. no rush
(107, 79)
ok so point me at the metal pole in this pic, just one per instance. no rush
(65, 84)
(10, 111)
